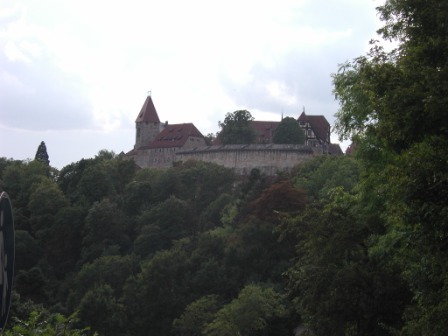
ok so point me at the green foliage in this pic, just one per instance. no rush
(159, 293)
(211, 216)
(70, 175)
(323, 173)
(202, 182)
(19, 179)
(179, 251)
(90, 180)
(112, 271)
(399, 97)
(100, 310)
(32, 284)
(53, 325)
(395, 105)
(249, 313)
(42, 155)
(333, 270)
(196, 316)
(289, 132)
(236, 128)
(44, 203)
(137, 195)
(160, 226)
(95, 184)
(63, 240)
(105, 231)
(27, 251)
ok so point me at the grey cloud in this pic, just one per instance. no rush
(336, 15)
(306, 76)
(306, 72)
(39, 96)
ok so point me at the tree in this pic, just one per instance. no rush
(251, 312)
(20, 180)
(45, 201)
(165, 225)
(41, 154)
(339, 288)
(157, 295)
(209, 138)
(325, 172)
(100, 310)
(279, 198)
(289, 132)
(398, 97)
(95, 184)
(39, 323)
(236, 128)
(394, 105)
(107, 270)
(196, 316)
(105, 231)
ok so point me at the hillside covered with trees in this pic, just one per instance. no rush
(343, 245)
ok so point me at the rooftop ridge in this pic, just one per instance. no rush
(148, 113)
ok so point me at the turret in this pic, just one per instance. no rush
(147, 124)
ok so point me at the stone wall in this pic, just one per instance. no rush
(270, 159)
(165, 156)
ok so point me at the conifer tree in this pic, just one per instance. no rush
(41, 154)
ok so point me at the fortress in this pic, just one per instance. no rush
(161, 145)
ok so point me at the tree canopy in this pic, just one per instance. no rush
(289, 132)
(236, 128)
(393, 104)
(354, 245)
(41, 154)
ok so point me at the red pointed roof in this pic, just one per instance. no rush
(318, 123)
(351, 148)
(335, 149)
(148, 112)
(175, 136)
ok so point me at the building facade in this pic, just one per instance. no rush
(161, 145)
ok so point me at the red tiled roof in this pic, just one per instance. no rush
(318, 123)
(175, 136)
(351, 148)
(131, 152)
(265, 130)
(335, 149)
(148, 112)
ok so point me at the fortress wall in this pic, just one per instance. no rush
(156, 157)
(269, 159)
(164, 157)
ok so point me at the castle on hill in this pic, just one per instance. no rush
(161, 145)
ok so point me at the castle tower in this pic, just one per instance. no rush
(147, 124)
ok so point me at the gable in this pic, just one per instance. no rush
(148, 112)
(318, 124)
(175, 135)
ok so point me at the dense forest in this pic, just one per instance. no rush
(342, 245)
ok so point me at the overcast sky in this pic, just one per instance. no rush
(75, 73)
